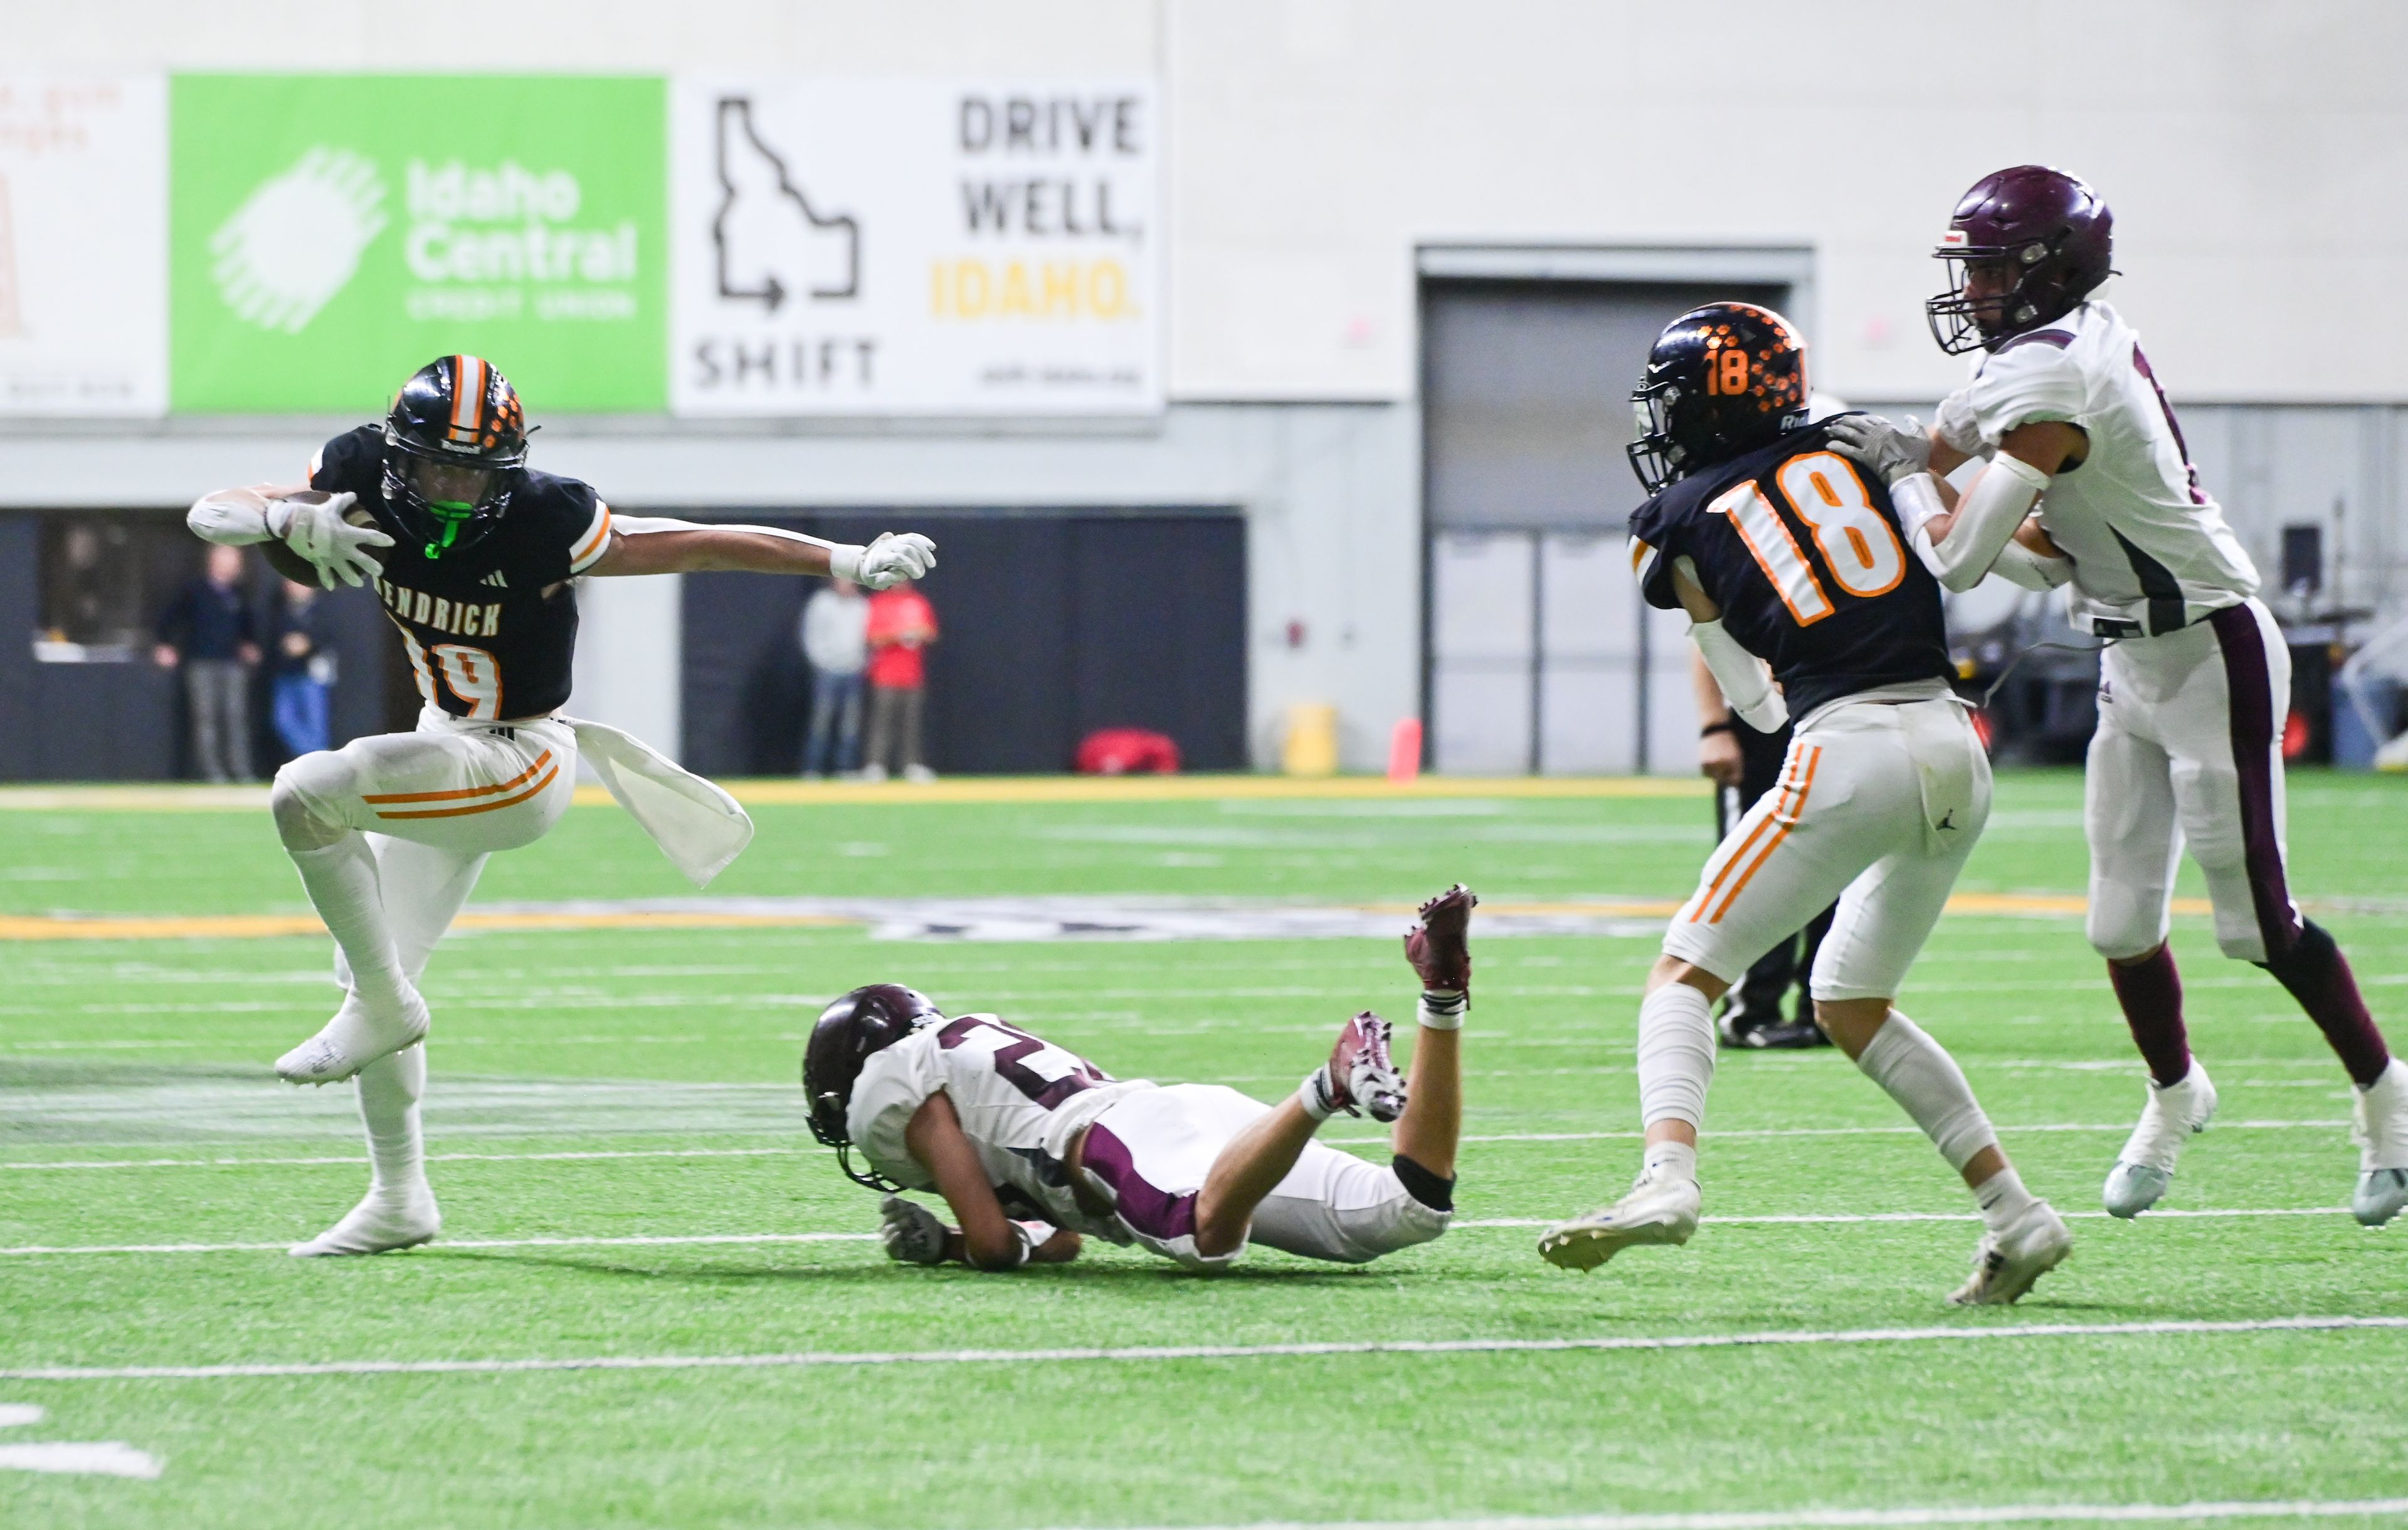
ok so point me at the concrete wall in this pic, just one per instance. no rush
(1316, 146)
(2251, 150)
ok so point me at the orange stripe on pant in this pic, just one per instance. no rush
(1813, 757)
(1781, 791)
(540, 760)
(537, 790)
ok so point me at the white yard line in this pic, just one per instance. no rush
(33, 1251)
(432, 1158)
(1334, 1141)
(1158, 1354)
(2228, 1508)
(36, 1250)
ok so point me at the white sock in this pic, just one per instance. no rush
(1313, 1094)
(1918, 1073)
(1671, 1161)
(341, 880)
(389, 1090)
(1443, 1009)
(2003, 1198)
(1676, 1055)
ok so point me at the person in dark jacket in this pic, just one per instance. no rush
(302, 665)
(211, 632)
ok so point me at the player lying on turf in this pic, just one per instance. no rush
(2195, 681)
(1780, 552)
(474, 554)
(1010, 1128)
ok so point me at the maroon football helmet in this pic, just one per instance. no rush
(869, 1019)
(2048, 227)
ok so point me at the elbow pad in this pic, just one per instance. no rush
(2020, 564)
(1986, 521)
(1746, 683)
(228, 521)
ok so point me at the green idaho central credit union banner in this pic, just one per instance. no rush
(331, 234)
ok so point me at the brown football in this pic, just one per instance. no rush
(293, 567)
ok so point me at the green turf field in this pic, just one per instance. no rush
(618, 1146)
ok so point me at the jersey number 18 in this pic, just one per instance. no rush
(1858, 545)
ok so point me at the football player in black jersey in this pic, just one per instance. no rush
(1782, 554)
(473, 555)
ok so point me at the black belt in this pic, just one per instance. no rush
(2116, 627)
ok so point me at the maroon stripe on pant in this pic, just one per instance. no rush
(1150, 1210)
(2249, 689)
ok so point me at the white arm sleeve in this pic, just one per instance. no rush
(230, 518)
(1986, 519)
(637, 525)
(1746, 683)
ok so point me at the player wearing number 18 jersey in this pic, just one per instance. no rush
(1784, 554)
(472, 554)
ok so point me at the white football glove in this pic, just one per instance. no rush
(317, 531)
(1890, 451)
(912, 1234)
(886, 562)
(1957, 427)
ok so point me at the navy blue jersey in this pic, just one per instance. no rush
(492, 627)
(1804, 556)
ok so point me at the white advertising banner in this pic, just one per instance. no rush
(83, 245)
(926, 246)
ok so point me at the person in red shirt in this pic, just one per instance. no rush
(902, 624)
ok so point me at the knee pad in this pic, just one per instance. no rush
(1400, 1221)
(306, 789)
(1434, 1191)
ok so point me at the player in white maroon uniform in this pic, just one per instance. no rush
(472, 554)
(1032, 1147)
(2195, 681)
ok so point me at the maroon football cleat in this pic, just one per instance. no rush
(1436, 945)
(1360, 1078)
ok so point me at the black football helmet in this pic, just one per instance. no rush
(2048, 228)
(1722, 379)
(867, 1019)
(454, 445)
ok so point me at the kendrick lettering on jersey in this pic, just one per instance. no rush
(474, 655)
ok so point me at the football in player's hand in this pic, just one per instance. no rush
(293, 567)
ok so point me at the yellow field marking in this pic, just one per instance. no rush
(168, 797)
(259, 926)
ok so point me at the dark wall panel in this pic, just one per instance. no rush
(1051, 626)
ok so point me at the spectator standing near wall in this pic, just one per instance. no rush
(835, 641)
(301, 665)
(211, 632)
(902, 624)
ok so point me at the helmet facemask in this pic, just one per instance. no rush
(1962, 320)
(1657, 458)
(447, 505)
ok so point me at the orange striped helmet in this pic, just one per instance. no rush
(455, 441)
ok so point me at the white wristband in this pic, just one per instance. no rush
(1917, 498)
(844, 561)
(1441, 1011)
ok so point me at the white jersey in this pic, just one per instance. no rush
(2151, 550)
(1021, 1100)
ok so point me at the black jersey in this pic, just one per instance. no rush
(1804, 555)
(490, 628)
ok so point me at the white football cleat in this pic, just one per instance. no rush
(1656, 1210)
(2380, 1129)
(2175, 1113)
(383, 1222)
(2006, 1264)
(354, 1038)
